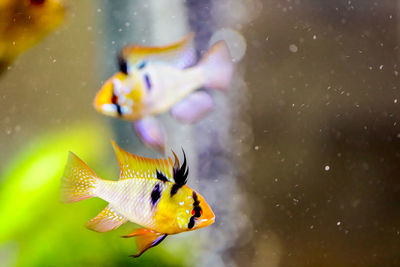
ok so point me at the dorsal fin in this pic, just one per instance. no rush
(180, 174)
(181, 54)
(133, 166)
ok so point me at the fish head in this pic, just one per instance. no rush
(120, 96)
(202, 212)
(193, 211)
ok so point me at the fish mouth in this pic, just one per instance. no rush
(208, 219)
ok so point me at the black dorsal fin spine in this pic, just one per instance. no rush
(180, 174)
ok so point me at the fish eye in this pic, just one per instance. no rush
(197, 212)
(37, 2)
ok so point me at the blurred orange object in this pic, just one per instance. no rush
(23, 23)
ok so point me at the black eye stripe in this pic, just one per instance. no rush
(114, 100)
(197, 211)
(196, 200)
(191, 223)
(196, 206)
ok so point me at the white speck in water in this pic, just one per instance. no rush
(256, 148)
(293, 48)
(381, 67)
(327, 168)
(395, 101)
(338, 223)
(314, 37)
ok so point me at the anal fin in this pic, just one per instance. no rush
(145, 239)
(151, 133)
(108, 219)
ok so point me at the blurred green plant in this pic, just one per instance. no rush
(36, 229)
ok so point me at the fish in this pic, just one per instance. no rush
(23, 23)
(152, 81)
(150, 192)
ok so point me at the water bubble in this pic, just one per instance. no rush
(236, 42)
(293, 48)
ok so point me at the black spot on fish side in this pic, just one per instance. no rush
(122, 65)
(155, 195)
(161, 177)
(191, 223)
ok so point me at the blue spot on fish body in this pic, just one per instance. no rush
(141, 65)
(148, 83)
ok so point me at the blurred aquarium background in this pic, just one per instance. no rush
(300, 160)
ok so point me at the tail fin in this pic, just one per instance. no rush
(78, 182)
(218, 66)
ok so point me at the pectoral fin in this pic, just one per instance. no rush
(108, 219)
(151, 133)
(193, 108)
(145, 239)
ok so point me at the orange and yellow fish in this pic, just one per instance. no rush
(150, 192)
(153, 80)
(23, 23)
